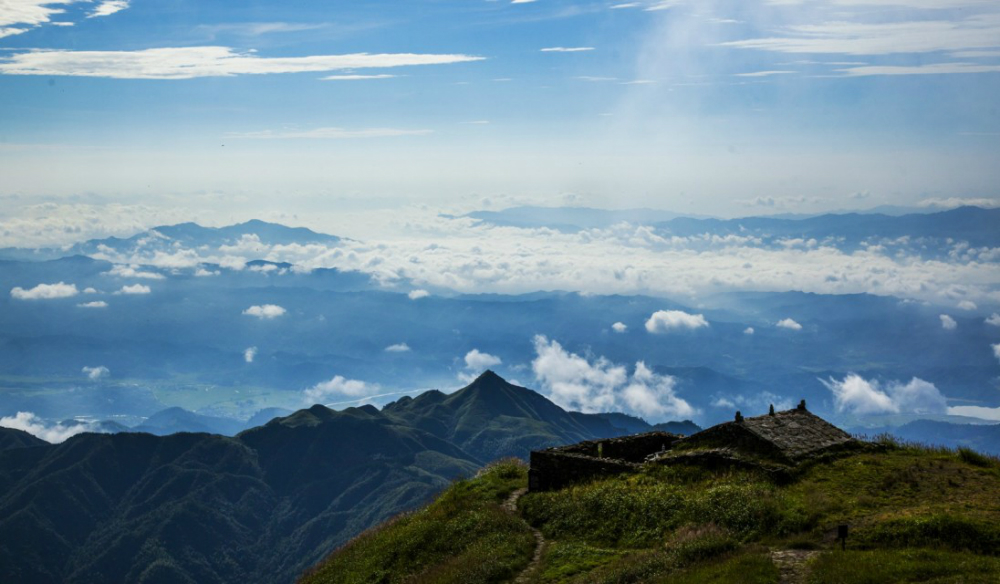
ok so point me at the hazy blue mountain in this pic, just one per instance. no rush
(980, 437)
(849, 231)
(192, 235)
(174, 420)
(266, 415)
(685, 428)
(929, 233)
(626, 423)
(571, 219)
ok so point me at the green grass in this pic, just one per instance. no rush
(464, 536)
(916, 514)
(641, 510)
(565, 559)
(745, 568)
(919, 565)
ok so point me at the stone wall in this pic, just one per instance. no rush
(556, 468)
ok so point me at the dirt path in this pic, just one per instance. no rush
(510, 506)
(792, 565)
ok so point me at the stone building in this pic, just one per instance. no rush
(775, 443)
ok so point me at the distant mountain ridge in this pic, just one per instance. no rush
(975, 225)
(190, 235)
(259, 507)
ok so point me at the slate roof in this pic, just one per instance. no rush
(797, 433)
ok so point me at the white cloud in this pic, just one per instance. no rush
(249, 354)
(475, 360)
(95, 373)
(266, 311)
(37, 427)
(330, 134)
(94, 304)
(967, 305)
(19, 16)
(339, 387)
(418, 294)
(664, 321)
(619, 327)
(194, 62)
(749, 330)
(994, 319)
(996, 350)
(765, 73)
(45, 292)
(398, 348)
(566, 49)
(135, 289)
(885, 38)
(653, 395)
(948, 323)
(108, 7)
(929, 69)
(124, 271)
(857, 395)
(575, 382)
(789, 324)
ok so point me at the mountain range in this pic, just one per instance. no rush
(261, 506)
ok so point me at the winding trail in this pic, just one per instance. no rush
(510, 506)
(792, 565)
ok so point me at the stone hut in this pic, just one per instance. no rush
(787, 437)
(775, 443)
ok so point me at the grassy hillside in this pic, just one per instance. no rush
(464, 536)
(916, 515)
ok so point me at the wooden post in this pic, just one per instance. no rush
(842, 536)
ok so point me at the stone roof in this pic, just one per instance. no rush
(797, 433)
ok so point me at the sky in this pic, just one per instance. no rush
(121, 114)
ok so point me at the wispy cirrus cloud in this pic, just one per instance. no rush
(862, 38)
(20, 16)
(567, 49)
(108, 7)
(196, 62)
(932, 69)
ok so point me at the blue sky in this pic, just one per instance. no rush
(718, 107)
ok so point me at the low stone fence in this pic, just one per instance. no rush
(555, 468)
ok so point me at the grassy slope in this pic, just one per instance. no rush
(464, 536)
(916, 515)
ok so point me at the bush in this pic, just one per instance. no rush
(974, 458)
